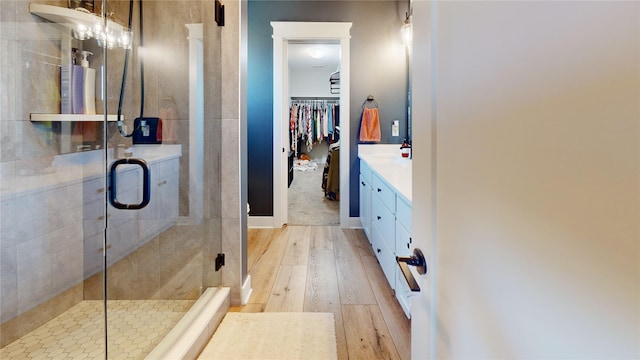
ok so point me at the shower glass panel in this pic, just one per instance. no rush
(80, 277)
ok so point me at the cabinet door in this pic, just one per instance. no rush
(383, 219)
(365, 206)
(404, 247)
(385, 256)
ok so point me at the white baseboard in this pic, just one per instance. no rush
(354, 223)
(260, 222)
(246, 291)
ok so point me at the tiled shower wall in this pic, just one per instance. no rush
(29, 83)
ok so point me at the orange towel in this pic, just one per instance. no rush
(370, 125)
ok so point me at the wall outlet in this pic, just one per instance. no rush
(395, 128)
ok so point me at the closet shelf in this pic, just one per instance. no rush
(72, 117)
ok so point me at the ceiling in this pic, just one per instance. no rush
(327, 56)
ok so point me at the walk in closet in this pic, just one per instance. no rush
(314, 134)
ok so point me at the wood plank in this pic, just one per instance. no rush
(367, 334)
(289, 289)
(264, 271)
(321, 237)
(352, 278)
(322, 294)
(397, 323)
(258, 241)
(297, 252)
(248, 308)
(359, 239)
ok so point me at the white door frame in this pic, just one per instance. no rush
(282, 33)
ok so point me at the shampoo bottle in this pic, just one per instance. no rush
(89, 91)
(77, 86)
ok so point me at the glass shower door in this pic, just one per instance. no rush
(80, 277)
(163, 218)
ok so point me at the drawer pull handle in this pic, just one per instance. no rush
(379, 190)
(379, 251)
(408, 246)
(379, 217)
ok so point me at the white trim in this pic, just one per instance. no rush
(260, 222)
(282, 33)
(246, 291)
(354, 223)
(192, 333)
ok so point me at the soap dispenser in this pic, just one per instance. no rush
(89, 91)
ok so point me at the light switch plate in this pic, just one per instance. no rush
(395, 128)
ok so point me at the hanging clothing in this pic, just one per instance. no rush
(312, 122)
(331, 173)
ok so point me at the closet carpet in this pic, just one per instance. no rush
(307, 203)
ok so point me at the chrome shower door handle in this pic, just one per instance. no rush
(146, 184)
(417, 260)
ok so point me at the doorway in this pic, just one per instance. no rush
(314, 133)
(284, 34)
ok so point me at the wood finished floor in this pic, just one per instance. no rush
(328, 269)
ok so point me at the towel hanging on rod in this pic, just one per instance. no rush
(370, 121)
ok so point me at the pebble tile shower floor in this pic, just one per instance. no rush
(135, 328)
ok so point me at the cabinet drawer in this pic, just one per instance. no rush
(384, 221)
(403, 293)
(385, 257)
(365, 206)
(403, 213)
(404, 243)
(365, 171)
(384, 192)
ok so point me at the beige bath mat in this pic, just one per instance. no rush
(267, 336)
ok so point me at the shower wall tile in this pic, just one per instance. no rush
(7, 11)
(8, 283)
(230, 170)
(232, 274)
(230, 38)
(212, 64)
(8, 223)
(7, 141)
(230, 151)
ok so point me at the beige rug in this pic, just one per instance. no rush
(268, 336)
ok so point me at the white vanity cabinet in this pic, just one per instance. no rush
(162, 211)
(383, 204)
(128, 229)
(385, 214)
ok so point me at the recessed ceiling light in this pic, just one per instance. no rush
(316, 52)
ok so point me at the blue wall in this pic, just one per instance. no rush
(378, 67)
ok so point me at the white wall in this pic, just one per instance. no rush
(310, 82)
(537, 178)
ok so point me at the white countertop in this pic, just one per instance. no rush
(387, 162)
(74, 168)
